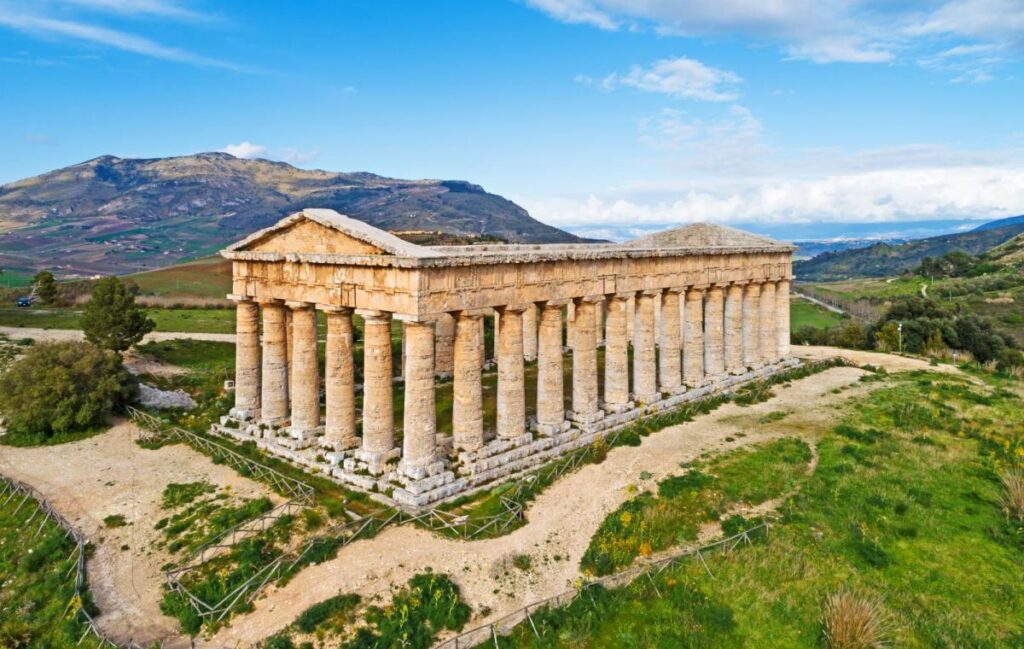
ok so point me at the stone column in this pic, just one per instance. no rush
(714, 321)
(752, 325)
(289, 344)
(467, 408)
(305, 372)
(511, 383)
(769, 334)
(247, 359)
(645, 382)
(585, 407)
(419, 428)
(340, 431)
(550, 377)
(570, 325)
(631, 319)
(782, 317)
(600, 313)
(444, 345)
(734, 329)
(669, 367)
(616, 355)
(378, 405)
(530, 333)
(274, 391)
(481, 334)
(693, 338)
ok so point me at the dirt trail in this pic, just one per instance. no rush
(110, 474)
(59, 335)
(561, 521)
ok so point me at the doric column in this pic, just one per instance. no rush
(481, 334)
(616, 355)
(511, 384)
(734, 329)
(714, 320)
(600, 314)
(550, 378)
(289, 345)
(419, 428)
(467, 408)
(585, 408)
(752, 325)
(530, 333)
(769, 334)
(305, 384)
(274, 390)
(339, 388)
(570, 325)
(444, 345)
(669, 366)
(782, 317)
(645, 382)
(631, 319)
(378, 405)
(693, 338)
(247, 359)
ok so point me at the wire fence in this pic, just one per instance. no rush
(505, 625)
(11, 489)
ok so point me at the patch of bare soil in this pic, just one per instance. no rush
(891, 362)
(110, 474)
(561, 521)
(60, 335)
(144, 364)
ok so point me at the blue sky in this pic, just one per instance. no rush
(593, 114)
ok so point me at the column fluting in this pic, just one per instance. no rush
(419, 428)
(714, 322)
(247, 359)
(734, 329)
(616, 355)
(585, 407)
(670, 359)
(645, 384)
(550, 371)
(782, 317)
(378, 404)
(752, 325)
(444, 345)
(769, 334)
(467, 408)
(511, 383)
(530, 333)
(693, 338)
(305, 372)
(339, 381)
(274, 389)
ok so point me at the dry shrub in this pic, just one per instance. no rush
(1016, 372)
(853, 621)
(1013, 493)
(990, 366)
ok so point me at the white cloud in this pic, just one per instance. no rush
(246, 150)
(296, 157)
(575, 12)
(160, 8)
(681, 77)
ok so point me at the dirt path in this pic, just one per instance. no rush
(891, 362)
(110, 474)
(58, 335)
(561, 521)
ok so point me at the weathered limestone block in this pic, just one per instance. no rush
(693, 338)
(378, 407)
(530, 333)
(550, 376)
(419, 429)
(467, 408)
(584, 363)
(616, 355)
(670, 360)
(782, 317)
(444, 346)
(511, 382)
(340, 431)
(769, 334)
(752, 325)
(247, 360)
(734, 329)
(645, 384)
(305, 372)
(274, 397)
(714, 338)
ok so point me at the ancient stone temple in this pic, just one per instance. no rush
(586, 338)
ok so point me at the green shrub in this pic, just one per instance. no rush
(111, 319)
(177, 494)
(57, 389)
(115, 520)
(334, 610)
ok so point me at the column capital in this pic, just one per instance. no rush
(624, 296)
(590, 299)
(414, 319)
(240, 298)
(293, 304)
(332, 308)
(473, 314)
(269, 301)
(511, 308)
(650, 292)
(373, 314)
(554, 303)
(678, 290)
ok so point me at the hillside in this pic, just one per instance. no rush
(125, 215)
(886, 259)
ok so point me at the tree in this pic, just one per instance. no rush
(65, 387)
(112, 320)
(46, 286)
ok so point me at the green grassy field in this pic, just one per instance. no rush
(904, 507)
(807, 314)
(220, 321)
(207, 277)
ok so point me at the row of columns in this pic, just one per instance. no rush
(703, 334)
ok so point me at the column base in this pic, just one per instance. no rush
(274, 422)
(674, 389)
(245, 414)
(338, 443)
(420, 470)
(305, 433)
(551, 429)
(616, 408)
(376, 461)
(646, 399)
(586, 417)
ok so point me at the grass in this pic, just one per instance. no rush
(38, 605)
(808, 314)
(197, 355)
(904, 509)
(216, 321)
(206, 277)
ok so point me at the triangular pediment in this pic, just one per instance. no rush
(704, 235)
(321, 231)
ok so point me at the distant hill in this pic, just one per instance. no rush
(1001, 223)
(1009, 252)
(115, 215)
(886, 259)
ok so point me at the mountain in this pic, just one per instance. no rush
(116, 215)
(886, 259)
(1001, 223)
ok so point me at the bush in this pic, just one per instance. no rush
(336, 608)
(1013, 494)
(61, 388)
(854, 622)
(111, 319)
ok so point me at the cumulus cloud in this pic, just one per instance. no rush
(246, 150)
(681, 77)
